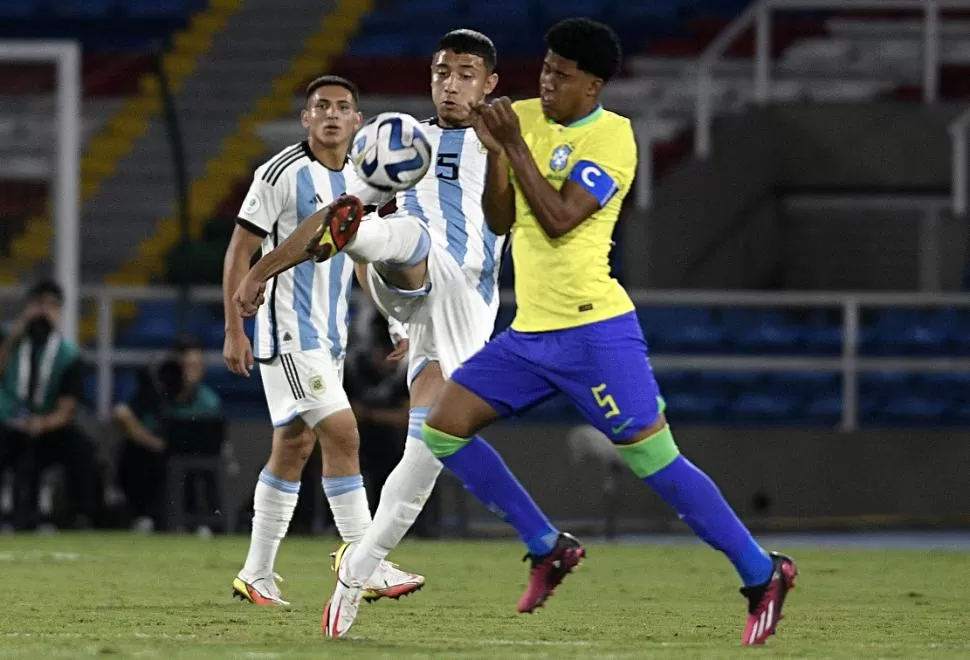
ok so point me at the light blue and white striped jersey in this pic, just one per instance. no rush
(307, 307)
(449, 201)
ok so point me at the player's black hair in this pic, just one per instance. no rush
(186, 343)
(592, 45)
(338, 81)
(46, 288)
(471, 42)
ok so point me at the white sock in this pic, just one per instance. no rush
(402, 499)
(273, 504)
(348, 504)
(400, 242)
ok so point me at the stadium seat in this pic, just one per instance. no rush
(84, 8)
(551, 12)
(19, 8)
(384, 45)
(156, 8)
(759, 407)
(681, 329)
(912, 410)
(806, 384)
(824, 409)
(911, 332)
(762, 331)
(694, 407)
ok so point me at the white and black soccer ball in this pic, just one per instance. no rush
(391, 152)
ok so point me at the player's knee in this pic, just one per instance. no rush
(338, 435)
(293, 444)
(651, 451)
(442, 437)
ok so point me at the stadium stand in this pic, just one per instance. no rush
(819, 56)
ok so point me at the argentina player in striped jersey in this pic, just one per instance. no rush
(299, 341)
(433, 264)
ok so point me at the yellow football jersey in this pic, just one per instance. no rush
(565, 282)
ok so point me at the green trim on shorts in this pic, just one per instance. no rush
(650, 455)
(441, 444)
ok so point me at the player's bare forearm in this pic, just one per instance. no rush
(290, 252)
(234, 268)
(555, 214)
(498, 200)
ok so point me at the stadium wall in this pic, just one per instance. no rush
(726, 223)
(785, 479)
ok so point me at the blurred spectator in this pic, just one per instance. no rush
(41, 385)
(172, 391)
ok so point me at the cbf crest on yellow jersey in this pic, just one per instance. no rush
(565, 282)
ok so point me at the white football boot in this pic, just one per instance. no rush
(258, 589)
(341, 610)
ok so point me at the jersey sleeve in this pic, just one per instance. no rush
(605, 163)
(263, 204)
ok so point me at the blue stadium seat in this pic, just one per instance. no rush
(806, 384)
(824, 409)
(551, 12)
(762, 331)
(83, 8)
(428, 7)
(759, 407)
(885, 383)
(19, 8)
(911, 332)
(383, 45)
(695, 407)
(156, 8)
(496, 16)
(912, 410)
(730, 382)
(681, 329)
(823, 334)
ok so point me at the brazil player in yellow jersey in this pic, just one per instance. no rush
(559, 167)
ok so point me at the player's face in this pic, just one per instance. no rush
(565, 91)
(331, 116)
(459, 82)
(193, 367)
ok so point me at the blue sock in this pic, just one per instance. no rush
(700, 504)
(486, 476)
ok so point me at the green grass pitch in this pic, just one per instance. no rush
(117, 595)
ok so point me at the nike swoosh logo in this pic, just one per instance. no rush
(619, 429)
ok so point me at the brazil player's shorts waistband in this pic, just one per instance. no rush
(622, 324)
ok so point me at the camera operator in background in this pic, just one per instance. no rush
(376, 384)
(41, 386)
(174, 390)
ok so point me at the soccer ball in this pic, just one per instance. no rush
(391, 152)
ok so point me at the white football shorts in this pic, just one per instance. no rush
(447, 322)
(308, 384)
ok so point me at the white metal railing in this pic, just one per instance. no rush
(759, 14)
(850, 364)
(960, 135)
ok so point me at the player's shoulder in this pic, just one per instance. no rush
(616, 123)
(527, 109)
(276, 167)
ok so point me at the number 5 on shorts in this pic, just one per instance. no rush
(607, 402)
